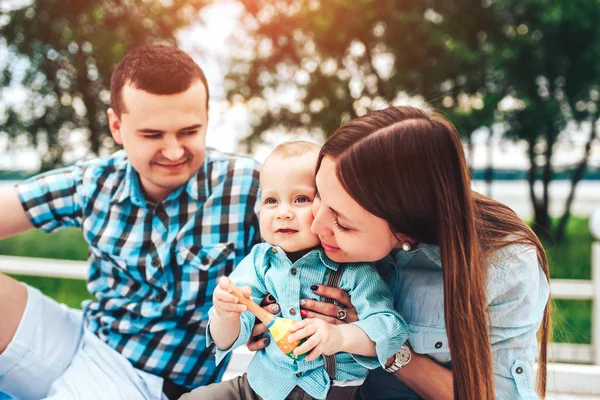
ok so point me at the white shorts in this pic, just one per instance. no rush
(53, 356)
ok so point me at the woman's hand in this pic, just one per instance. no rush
(327, 311)
(257, 341)
(323, 338)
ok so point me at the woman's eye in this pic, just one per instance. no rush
(302, 199)
(270, 200)
(340, 226)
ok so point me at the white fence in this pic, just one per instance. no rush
(580, 375)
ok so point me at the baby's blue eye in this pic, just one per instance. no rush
(302, 199)
(270, 200)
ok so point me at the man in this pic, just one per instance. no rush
(164, 219)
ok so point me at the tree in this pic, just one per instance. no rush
(67, 50)
(314, 64)
(547, 56)
(341, 59)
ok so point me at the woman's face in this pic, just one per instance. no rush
(348, 232)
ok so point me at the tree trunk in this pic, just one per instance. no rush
(489, 171)
(470, 150)
(543, 212)
(540, 213)
(575, 178)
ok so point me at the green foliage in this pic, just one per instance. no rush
(528, 64)
(63, 54)
(66, 244)
(571, 259)
(546, 55)
(347, 58)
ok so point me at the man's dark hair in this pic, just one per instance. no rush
(156, 69)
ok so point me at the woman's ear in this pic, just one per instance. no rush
(405, 242)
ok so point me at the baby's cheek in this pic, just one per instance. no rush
(306, 219)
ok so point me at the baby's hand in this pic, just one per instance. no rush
(323, 338)
(226, 304)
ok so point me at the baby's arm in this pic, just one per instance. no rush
(227, 328)
(328, 339)
(225, 323)
(379, 332)
(377, 315)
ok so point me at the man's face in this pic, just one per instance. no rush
(287, 192)
(164, 136)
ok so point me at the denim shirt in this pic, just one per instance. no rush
(268, 270)
(517, 292)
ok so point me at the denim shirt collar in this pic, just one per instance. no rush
(402, 258)
(317, 252)
(131, 188)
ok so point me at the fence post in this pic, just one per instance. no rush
(596, 301)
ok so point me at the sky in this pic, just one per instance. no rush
(207, 42)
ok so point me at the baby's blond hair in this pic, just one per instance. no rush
(295, 148)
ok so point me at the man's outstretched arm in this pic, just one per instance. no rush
(13, 219)
(13, 295)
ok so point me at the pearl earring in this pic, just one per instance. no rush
(406, 246)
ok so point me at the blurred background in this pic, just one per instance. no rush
(519, 78)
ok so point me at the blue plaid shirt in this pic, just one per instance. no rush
(153, 267)
(267, 269)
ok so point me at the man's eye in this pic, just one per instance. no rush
(302, 199)
(270, 200)
(152, 136)
(190, 133)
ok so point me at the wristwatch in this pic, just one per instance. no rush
(402, 358)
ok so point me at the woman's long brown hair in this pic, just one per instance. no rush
(408, 167)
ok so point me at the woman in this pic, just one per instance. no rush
(469, 277)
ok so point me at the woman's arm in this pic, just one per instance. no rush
(425, 377)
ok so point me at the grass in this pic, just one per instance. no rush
(67, 244)
(568, 260)
(571, 319)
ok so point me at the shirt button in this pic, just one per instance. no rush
(157, 297)
(298, 375)
(292, 311)
(204, 260)
(274, 250)
(162, 215)
(438, 345)
(293, 271)
(155, 263)
(519, 370)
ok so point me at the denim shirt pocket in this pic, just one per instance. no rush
(431, 341)
(521, 373)
(206, 256)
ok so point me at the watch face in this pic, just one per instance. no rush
(403, 355)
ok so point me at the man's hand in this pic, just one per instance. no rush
(227, 306)
(323, 338)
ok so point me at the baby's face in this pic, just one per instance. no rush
(288, 191)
